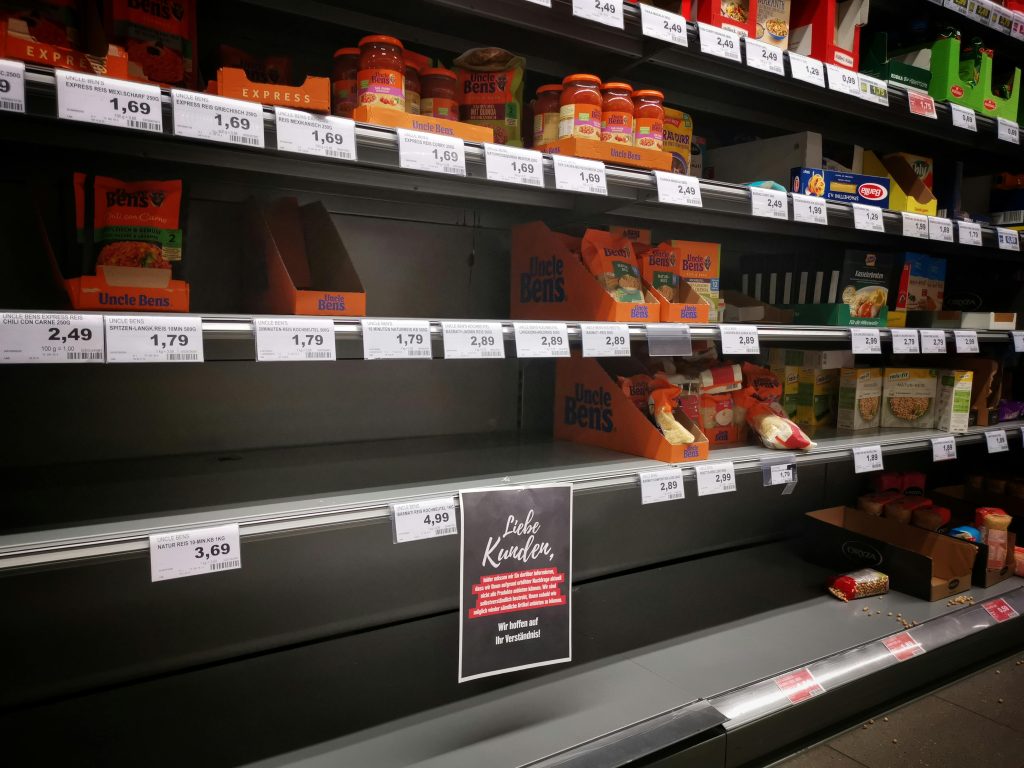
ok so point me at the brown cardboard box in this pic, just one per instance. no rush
(962, 501)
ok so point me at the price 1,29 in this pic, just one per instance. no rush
(130, 107)
(446, 155)
(308, 340)
(232, 122)
(170, 340)
(438, 518)
(408, 339)
(75, 334)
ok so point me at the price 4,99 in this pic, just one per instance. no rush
(437, 518)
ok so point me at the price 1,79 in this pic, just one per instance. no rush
(130, 106)
(232, 122)
(171, 340)
(75, 334)
(308, 340)
(407, 339)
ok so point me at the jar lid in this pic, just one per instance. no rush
(385, 39)
(346, 52)
(617, 87)
(410, 60)
(589, 79)
(549, 88)
(649, 95)
(440, 71)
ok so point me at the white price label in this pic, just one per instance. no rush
(38, 337)
(541, 340)
(663, 25)
(739, 340)
(995, 439)
(419, 151)
(921, 104)
(663, 485)
(940, 229)
(933, 342)
(810, 209)
(396, 339)
(963, 117)
(547, 3)
(865, 341)
(294, 338)
(309, 134)
(970, 232)
(154, 338)
(905, 341)
(574, 174)
(602, 11)
(782, 474)
(966, 341)
(416, 520)
(943, 449)
(513, 165)
(843, 80)
(12, 86)
(1009, 239)
(765, 57)
(915, 225)
(960, 6)
(105, 101)
(867, 458)
(1018, 341)
(467, 340)
(874, 90)
(1007, 130)
(605, 339)
(719, 42)
(677, 189)
(193, 553)
(718, 477)
(868, 218)
(215, 118)
(807, 69)
(769, 203)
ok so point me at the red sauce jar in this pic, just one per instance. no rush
(412, 85)
(649, 120)
(439, 93)
(546, 114)
(617, 114)
(344, 81)
(381, 73)
(580, 108)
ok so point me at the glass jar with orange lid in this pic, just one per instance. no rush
(649, 120)
(580, 108)
(381, 72)
(344, 81)
(412, 84)
(439, 93)
(546, 113)
(617, 114)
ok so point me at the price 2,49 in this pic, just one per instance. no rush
(130, 106)
(233, 123)
(75, 334)
(172, 340)
(604, 7)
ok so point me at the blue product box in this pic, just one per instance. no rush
(841, 186)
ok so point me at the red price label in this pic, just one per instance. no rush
(1000, 610)
(799, 686)
(903, 646)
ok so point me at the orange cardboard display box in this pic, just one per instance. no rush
(392, 118)
(610, 153)
(687, 306)
(314, 95)
(590, 407)
(94, 58)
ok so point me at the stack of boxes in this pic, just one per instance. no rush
(922, 287)
(810, 384)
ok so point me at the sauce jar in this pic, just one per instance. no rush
(344, 81)
(381, 72)
(580, 108)
(649, 120)
(412, 85)
(617, 114)
(438, 95)
(546, 115)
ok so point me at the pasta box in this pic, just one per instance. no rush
(841, 186)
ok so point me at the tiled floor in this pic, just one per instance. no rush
(978, 721)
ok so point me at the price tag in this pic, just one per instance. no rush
(868, 218)
(541, 340)
(12, 86)
(915, 225)
(874, 90)
(807, 69)
(677, 189)
(469, 340)
(1007, 130)
(602, 11)
(764, 57)
(739, 340)
(921, 104)
(1018, 340)
(960, 6)
(416, 520)
(215, 118)
(154, 338)
(193, 553)
(513, 165)
(1000, 610)
(396, 339)
(574, 174)
(547, 3)
(1009, 239)
(933, 342)
(663, 485)
(37, 337)
(669, 340)
(940, 229)
(769, 203)
(778, 472)
(309, 134)
(963, 118)
(902, 646)
(809, 209)
(966, 341)
(905, 341)
(663, 25)
(105, 101)
(605, 339)
(294, 338)
(865, 341)
(970, 233)
(719, 477)
(867, 458)
(719, 42)
(996, 441)
(419, 151)
(799, 686)
(843, 80)
(943, 449)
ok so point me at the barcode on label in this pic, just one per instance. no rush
(419, 353)
(183, 356)
(319, 355)
(145, 125)
(335, 153)
(12, 106)
(225, 564)
(85, 356)
(250, 140)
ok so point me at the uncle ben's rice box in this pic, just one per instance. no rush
(700, 265)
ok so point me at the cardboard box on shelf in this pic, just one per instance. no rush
(826, 359)
(836, 314)
(953, 404)
(829, 30)
(740, 308)
(962, 502)
(947, 85)
(816, 398)
(989, 321)
(773, 22)
(678, 139)
(739, 16)
(392, 118)
(91, 55)
(700, 266)
(842, 186)
(860, 398)
(764, 159)
(907, 191)
(608, 152)
(314, 95)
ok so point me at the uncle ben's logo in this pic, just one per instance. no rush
(589, 409)
(543, 281)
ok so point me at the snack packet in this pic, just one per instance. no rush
(660, 269)
(159, 37)
(612, 261)
(491, 92)
(864, 583)
(764, 385)
(774, 429)
(637, 388)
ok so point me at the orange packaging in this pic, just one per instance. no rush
(159, 37)
(17, 41)
(617, 114)
(344, 81)
(53, 22)
(425, 123)
(637, 389)
(611, 152)
(580, 108)
(491, 92)
(612, 261)
(381, 72)
(660, 270)
(635, 235)
(313, 95)
(649, 120)
(438, 95)
(546, 115)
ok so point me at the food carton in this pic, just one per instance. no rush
(773, 22)
(816, 398)
(953, 405)
(700, 266)
(678, 139)
(842, 186)
(864, 283)
(860, 398)
(907, 191)
(908, 397)
(829, 30)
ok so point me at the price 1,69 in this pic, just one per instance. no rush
(129, 106)
(446, 155)
(5, 86)
(590, 177)
(527, 169)
(308, 340)
(235, 123)
(172, 340)
(327, 137)
(75, 334)
(437, 518)
(406, 339)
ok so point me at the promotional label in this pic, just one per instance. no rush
(739, 340)
(12, 86)
(963, 117)
(933, 342)
(915, 225)
(903, 646)
(867, 458)
(294, 338)
(154, 338)
(1008, 239)
(416, 520)
(193, 553)
(574, 174)
(602, 11)
(676, 189)
(472, 340)
(943, 448)
(764, 57)
(396, 339)
(215, 118)
(309, 134)
(970, 233)
(868, 218)
(669, 340)
(807, 69)
(714, 478)
(782, 474)
(809, 209)
(37, 337)
(662, 485)
(866, 341)
(921, 104)
(605, 339)
(966, 341)
(1018, 341)
(874, 90)
(768, 203)
(719, 42)
(940, 229)
(419, 151)
(105, 101)
(905, 341)
(995, 440)
(799, 686)
(513, 165)
(663, 25)
(1000, 610)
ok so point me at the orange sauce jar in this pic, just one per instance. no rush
(546, 115)
(412, 85)
(439, 92)
(344, 81)
(649, 120)
(580, 108)
(381, 72)
(617, 114)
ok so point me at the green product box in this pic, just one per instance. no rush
(816, 398)
(860, 398)
(953, 405)
(836, 314)
(789, 377)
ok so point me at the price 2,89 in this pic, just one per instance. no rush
(482, 341)
(669, 485)
(234, 123)
(551, 341)
(614, 341)
(75, 334)
(172, 340)
(133, 107)
(216, 550)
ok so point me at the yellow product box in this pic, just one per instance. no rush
(953, 406)
(678, 131)
(789, 377)
(908, 397)
(816, 398)
(860, 394)
(907, 189)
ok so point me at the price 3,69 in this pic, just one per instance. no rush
(130, 106)
(216, 550)
(75, 334)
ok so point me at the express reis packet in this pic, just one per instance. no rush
(159, 37)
